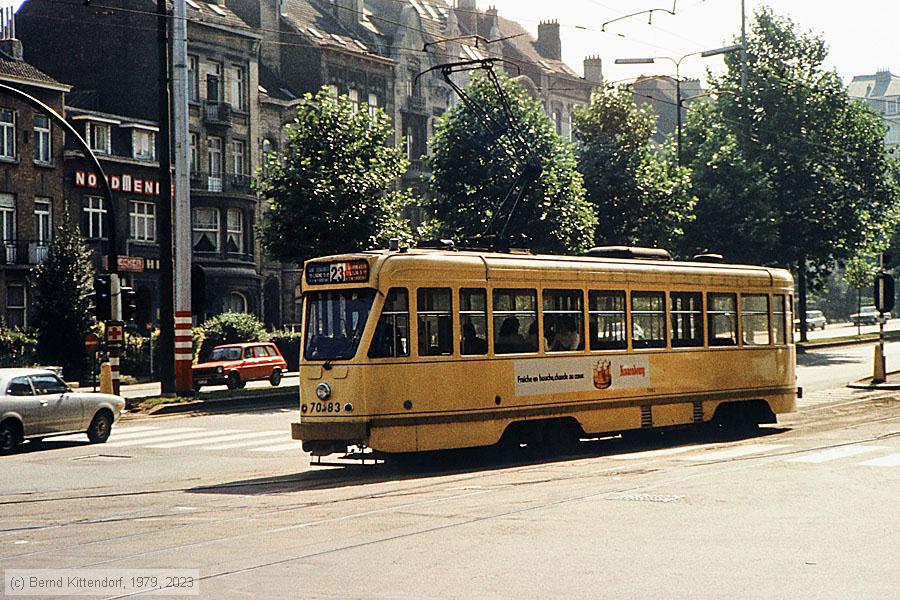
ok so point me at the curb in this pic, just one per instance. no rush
(863, 385)
(286, 399)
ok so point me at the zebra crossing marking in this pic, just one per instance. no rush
(274, 438)
(659, 452)
(170, 438)
(737, 452)
(296, 445)
(891, 460)
(830, 454)
(222, 438)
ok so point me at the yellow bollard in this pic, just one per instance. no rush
(106, 385)
(878, 376)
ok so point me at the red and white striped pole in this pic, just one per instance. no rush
(184, 351)
(115, 297)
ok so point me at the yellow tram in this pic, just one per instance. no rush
(425, 349)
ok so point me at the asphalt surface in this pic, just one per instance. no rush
(804, 509)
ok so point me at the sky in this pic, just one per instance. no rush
(862, 35)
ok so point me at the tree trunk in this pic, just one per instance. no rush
(801, 297)
(858, 310)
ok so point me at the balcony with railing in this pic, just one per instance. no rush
(221, 182)
(23, 252)
(415, 104)
(217, 113)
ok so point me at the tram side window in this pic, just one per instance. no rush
(563, 320)
(473, 321)
(435, 318)
(778, 319)
(607, 320)
(392, 334)
(687, 319)
(755, 319)
(721, 310)
(515, 321)
(648, 319)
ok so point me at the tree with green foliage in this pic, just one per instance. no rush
(789, 170)
(62, 311)
(640, 196)
(476, 171)
(229, 328)
(329, 190)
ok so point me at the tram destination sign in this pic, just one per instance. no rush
(347, 271)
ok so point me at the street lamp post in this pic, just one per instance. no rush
(677, 63)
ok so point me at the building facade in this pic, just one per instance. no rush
(881, 92)
(250, 63)
(31, 177)
(110, 57)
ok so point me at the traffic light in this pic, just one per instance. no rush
(101, 300)
(129, 303)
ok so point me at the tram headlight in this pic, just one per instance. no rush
(220, 370)
(323, 391)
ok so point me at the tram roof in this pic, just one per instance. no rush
(460, 265)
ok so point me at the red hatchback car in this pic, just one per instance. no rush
(236, 364)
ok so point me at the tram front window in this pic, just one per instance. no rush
(335, 322)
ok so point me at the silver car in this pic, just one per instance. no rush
(36, 403)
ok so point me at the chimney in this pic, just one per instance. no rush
(593, 69)
(9, 45)
(548, 43)
(349, 13)
(493, 32)
(467, 16)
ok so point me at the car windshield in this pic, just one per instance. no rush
(334, 323)
(230, 353)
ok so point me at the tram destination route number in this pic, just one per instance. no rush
(351, 271)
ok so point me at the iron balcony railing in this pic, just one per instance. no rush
(217, 113)
(23, 252)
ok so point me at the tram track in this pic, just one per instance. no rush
(446, 481)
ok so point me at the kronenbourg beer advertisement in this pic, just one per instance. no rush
(561, 375)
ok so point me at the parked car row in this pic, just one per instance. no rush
(36, 403)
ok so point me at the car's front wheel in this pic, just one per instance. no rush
(100, 428)
(234, 381)
(10, 436)
(275, 378)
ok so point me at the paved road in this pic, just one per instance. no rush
(804, 510)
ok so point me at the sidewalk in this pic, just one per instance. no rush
(892, 382)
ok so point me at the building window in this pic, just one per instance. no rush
(15, 306)
(7, 229)
(43, 221)
(193, 80)
(143, 221)
(354, 100)
(99, 137)
(237, 87)
(373, 104)
(42, 149)
(234, 234)
(7, 134)
(214, 82)
(94, 215)
(206, 229)
(195, 158)
(214, 155)
(143, 144)
(238, 157)
(236, 302)
(333, 90)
